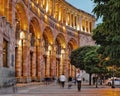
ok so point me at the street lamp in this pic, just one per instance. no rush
(75, 76)
(113, 84)
(22, 37)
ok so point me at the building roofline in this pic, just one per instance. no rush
(79, 9)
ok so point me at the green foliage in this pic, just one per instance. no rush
(91, 61)
(107, 34)
(77, 56)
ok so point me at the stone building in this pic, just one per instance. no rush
(37, 37)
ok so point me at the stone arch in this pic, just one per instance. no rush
(6, 9)
(60, 44)
(73, 43)
(47, 44)
(48, 35)
(61, 40)
(21, 16)
(34, 22)
(35, 33)
(21, 28)
(34, 30)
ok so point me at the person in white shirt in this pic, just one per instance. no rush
(62, 80)
(79, 79)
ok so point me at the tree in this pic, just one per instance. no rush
(91, 61)
(77, 59)
(77, 56)
(107, 34)
(109, 10)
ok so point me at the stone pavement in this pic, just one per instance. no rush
(56, 90)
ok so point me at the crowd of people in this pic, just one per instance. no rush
(71, 81)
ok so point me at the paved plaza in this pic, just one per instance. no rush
(56, 90)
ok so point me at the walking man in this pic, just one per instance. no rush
(62, 80)
(79, 79)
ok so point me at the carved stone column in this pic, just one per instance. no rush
(41, 69)
(38, 60)
(25, 58)
(66, 62)
(53, 61)
(18, 66)
(34, 64)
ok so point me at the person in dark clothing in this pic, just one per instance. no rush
(94, 79)
(79, 79)
(69, 82)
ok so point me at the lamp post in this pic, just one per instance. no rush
(22, 37)
(113, 84)
(75, 77)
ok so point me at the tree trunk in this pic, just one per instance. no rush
(90, 78)
(96, 78)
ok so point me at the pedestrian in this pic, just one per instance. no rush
(62, 80)
(14, 86)
(94, 79)
(79, 79)
(69, 82)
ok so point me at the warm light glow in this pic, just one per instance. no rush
(63, 27)
(37, 1)
(58, 25)
(38, 12)
(66, 23)
(32, 4)
(22, 35)
(37, 42)
(107, 58)
(19, 42)
(25, 27)
(78, 28)
(62, 51)
(59, 18)
(1, 10)
(47, 7)
(49, 48)
(46, 18)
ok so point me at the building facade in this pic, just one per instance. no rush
(37, 37)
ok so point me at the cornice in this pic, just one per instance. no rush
(76, 9)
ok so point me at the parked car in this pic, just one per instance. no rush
(116, 81)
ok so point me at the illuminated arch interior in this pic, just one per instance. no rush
(48, 35)
(35, 27)
(21, 16)
(6, 9)
(72, 42)
(61, 40)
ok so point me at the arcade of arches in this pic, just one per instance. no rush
(43, 34)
